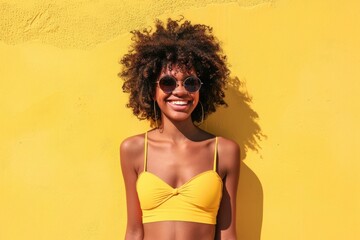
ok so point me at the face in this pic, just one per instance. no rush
(178, 104)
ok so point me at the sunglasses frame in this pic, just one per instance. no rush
(176, 83)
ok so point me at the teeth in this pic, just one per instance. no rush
(179, 102)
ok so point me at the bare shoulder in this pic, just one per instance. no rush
(132, 144)
(228, 145)
(229, 153)
(132, 150)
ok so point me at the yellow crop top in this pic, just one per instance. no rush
(197, 200)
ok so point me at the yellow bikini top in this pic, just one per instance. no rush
(197, 200)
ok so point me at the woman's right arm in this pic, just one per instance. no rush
(130, 158)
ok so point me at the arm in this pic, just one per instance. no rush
(129, 156)
(229, 163)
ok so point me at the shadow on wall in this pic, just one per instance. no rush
(239, 122)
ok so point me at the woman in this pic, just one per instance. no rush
(180, 181)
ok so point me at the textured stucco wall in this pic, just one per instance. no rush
(84, 23)
(294, 108)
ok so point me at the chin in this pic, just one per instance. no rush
(179, 117)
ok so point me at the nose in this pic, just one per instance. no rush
(180, 89)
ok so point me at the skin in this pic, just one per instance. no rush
(177, 151)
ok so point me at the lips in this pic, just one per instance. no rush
(179, 104)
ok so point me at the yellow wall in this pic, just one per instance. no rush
(63, 114)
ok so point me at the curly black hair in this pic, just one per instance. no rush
(184, 44)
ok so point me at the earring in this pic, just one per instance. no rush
(156, 116)
(202, 114)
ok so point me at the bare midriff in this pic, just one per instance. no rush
(176, 230)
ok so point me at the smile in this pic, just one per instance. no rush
(179, 102)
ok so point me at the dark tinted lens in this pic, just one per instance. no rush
(192, 84)
(167, 84)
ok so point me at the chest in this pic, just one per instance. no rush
(176, 165)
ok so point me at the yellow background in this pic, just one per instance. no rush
(294, 108)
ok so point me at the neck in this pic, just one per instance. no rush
(179, 131)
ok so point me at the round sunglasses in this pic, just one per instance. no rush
(168, 84)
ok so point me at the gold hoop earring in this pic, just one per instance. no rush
(156, 116)
(202, 114)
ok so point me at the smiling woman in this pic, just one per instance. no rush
(181, 181)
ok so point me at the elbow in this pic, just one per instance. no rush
(134, 237)
(134, 234)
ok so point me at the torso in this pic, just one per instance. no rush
(176, 164)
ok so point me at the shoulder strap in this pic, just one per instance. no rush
(145, 152)
(215, 153)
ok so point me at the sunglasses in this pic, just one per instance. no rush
(168, 84)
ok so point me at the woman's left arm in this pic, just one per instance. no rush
(229, 163)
